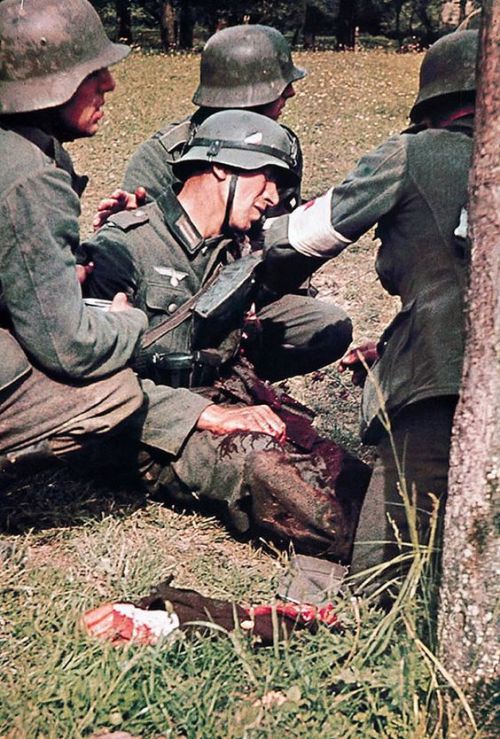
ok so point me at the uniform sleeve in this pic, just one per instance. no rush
(39, 232)
(323, 227)
(371, 191)
(114, 268)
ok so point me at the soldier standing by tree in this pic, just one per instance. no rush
(414, 187)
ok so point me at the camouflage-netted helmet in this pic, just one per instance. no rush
(241, 139)
(244, 66)
(449, 67)
(47, 48)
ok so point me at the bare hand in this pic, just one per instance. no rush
(83, 270)
(119, 303)
(254, 418)
(117, 201)
(358, 359)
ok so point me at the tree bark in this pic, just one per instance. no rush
(167, 25)
(123, 20)
(468, 643)
(186, 25)
(346, 20)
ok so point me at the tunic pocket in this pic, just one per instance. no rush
(165, 298)
(163, 301)
(391, 379)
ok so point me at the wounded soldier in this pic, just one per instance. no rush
(186, 260)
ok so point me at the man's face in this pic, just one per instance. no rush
(81, 115)
(273, 110)
(255, 193)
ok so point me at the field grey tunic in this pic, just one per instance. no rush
(157, 257)
(414, 187)
(50, 341)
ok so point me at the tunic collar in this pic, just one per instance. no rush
(53, 149)
(181, 226)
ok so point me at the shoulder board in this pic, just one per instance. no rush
(176, 136)
(128, 219)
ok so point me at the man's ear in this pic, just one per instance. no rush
(219, 172)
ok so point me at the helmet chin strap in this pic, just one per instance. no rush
(226, 229)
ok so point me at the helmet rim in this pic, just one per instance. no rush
(231, 139)
(47, 50)
(245, 66)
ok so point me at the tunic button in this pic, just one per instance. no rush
(138, 213)
(172, 308)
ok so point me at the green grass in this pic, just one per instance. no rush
(370, 680)
(67, 547)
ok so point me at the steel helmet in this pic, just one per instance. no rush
(241, 139)
(245, 66)
(449, 67)
(47, 48)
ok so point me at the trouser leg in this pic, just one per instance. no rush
(43, 421)
(421, 435)
(66, 415)
(299, 334)
(301, 498)
(213, 467)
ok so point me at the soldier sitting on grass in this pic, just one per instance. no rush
(187, 262)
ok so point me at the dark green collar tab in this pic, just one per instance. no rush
(179, 223)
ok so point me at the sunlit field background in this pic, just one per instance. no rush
(66, 547)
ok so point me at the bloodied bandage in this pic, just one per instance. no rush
(310, 229)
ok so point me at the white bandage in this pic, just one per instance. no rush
(463, 224)
(310, 229)
(148, 624)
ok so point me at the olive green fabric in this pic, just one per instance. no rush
(151, 164)
(66, 415)
(158, 258)
(48, 333)
(299, 334)
(414, 187)
(40, 300)
(420, 443)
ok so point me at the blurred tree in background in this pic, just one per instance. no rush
(183, 24)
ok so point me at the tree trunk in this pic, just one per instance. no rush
(308, 29)
(462, 11)
(346, 22)
(123, 20)
(186, 25)
(167, 25)
(470, 550)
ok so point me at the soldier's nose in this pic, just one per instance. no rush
(106, 80)
(272, 193)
